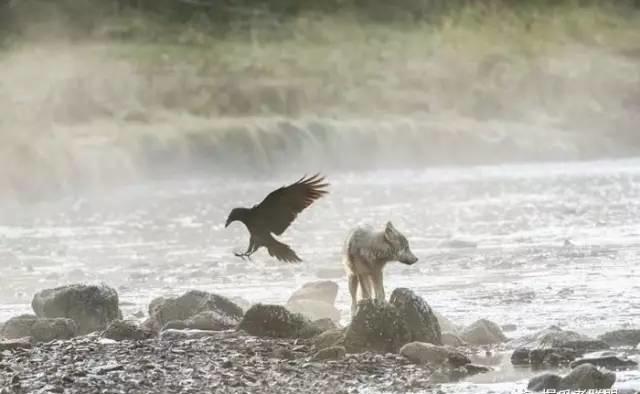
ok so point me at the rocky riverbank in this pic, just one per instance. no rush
(77, 341)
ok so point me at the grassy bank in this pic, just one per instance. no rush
(87, 109)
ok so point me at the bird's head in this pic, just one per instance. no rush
(235, 214)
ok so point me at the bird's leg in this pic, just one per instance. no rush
(250, 250)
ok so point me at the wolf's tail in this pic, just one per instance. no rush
(281, 251)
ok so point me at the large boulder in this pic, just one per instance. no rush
(427, 353)
(315, 300)
(626, 337)
(483, 332)
(324, 291)
(277, 322)
(314, 310)
(544, 382)
(122, 330)
(377, 327)
(92, 307)
(39, 330)
(163, 310)
(422, 323)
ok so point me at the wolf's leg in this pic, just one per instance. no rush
(353, 289)
(365, 286)
(378, 285)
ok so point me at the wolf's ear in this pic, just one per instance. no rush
(389, 227)
(389, 231)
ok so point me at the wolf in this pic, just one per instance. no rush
(366, 252)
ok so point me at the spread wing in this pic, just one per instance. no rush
(280, 208)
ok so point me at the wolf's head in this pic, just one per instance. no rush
(399, 244)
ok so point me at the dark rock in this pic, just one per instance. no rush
(276, 321)
(609, 360)
(330, 353)
(520, 356)
(626, 337)
(544, 382)
(587, 377)
(475, 369)
(422, 323)
(483, 332)
(329, 338)
(40, 330)
(121, 330)
(164, 310)
(551, 357)
(91, 307)
(324, 291)
(376, 327)
(554, 337)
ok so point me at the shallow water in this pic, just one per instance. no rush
(162, 238)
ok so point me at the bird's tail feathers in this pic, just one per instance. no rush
(282, 251)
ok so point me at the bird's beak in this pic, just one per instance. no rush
(227, 223)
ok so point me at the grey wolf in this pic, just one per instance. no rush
(274, 215)
(366, 253)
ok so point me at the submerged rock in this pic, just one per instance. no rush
(39, 330)
(607, 359)
(483, 332)
(163, 310)
(377, 327)
(121, 330)
(276, 321)
(626, 337)
(555, 337)
(421, 322)
(92, 307)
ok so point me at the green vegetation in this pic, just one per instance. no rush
(128, 73)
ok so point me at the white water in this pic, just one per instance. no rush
(165, 237)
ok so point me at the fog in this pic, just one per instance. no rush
(513, 176)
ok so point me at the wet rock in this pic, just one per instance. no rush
(475, 369)
(182, 335)
(483, 332)
(122, 330)
(40, 330)
(17, 343)
(427, 353)
(329, 338)
(520, 356)
(323, 291)
(544, 382)
(587, 377)
(421, 322)
(163, 310)
(207, 320)
(551, 357)
(276, 321)
(324, 324)
(452, 340)
(626, 337)
(377, 327)
(554, 337)
(609, 360)
(330, 353)
(314, 310)
(92, 307)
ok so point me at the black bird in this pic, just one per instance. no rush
(275, 213)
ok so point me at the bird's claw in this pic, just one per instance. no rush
(243, 256)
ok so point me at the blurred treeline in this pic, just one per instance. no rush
(82, 16)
